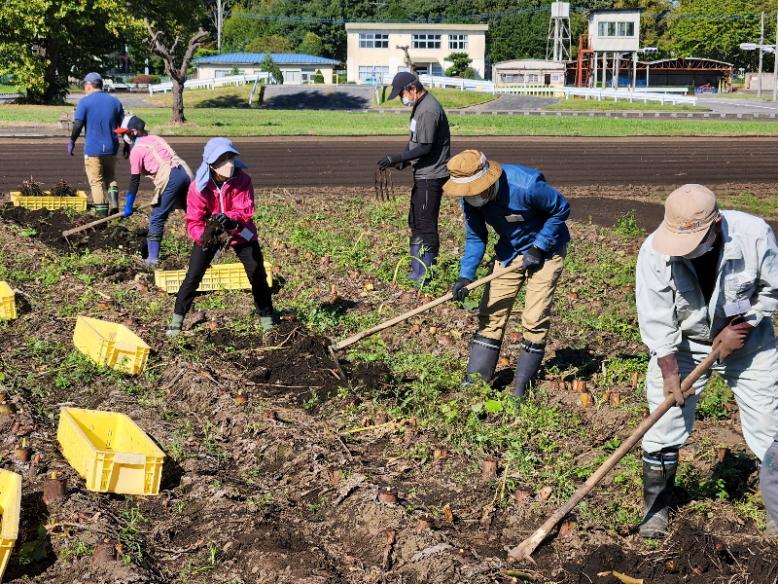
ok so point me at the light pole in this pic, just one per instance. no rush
(762, 48)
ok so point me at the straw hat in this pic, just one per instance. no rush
(471, 174)
(689, 212)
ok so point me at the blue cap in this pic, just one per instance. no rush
(93, 78)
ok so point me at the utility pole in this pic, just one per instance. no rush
(775, 61)
(761, 58)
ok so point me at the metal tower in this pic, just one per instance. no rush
(558, 42)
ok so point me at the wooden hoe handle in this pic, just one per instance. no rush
(423, 308)
(97, 222)
(525, 549)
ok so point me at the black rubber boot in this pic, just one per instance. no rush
(113, 201)
(527, 367)
(484, 353)
(658, 484)
(101, 210)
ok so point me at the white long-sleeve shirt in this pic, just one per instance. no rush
(671, 304)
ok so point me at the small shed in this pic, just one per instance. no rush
(530, 72)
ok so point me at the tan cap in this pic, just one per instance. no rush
(689, 212)
(471, 174)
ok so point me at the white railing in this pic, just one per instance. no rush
(527, 89)
(457, 83)
(211, 83)
(625, 95)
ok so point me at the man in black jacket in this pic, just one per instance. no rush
(428, 151)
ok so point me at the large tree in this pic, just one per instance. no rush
(713, 29)
(44, 42)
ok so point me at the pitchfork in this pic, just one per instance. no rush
(384, 186)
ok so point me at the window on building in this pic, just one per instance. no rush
(373, 40)
(457, 42)
(426, 41)
(614, 29)
(374, 74)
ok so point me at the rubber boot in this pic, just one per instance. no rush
(113, 200)
(429, 260)
(267, 319)
(175, 326)
(153, 257)
(416, 270)
(527, 366)
(484, 353)
(101, 210)
(658, 484)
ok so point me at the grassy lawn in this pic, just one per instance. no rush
(586, 105)
(237, 122)
(238, 97)
(5, 88)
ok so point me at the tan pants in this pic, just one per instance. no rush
(101, 174)
(500, 294)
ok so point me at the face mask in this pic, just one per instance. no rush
(477, 201)
(226, 168)
(704, 247)
(407, 101)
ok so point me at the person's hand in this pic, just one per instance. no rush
(459, 290)
(671, 378)
(126, 150)
(226, 223)
(71, 146)
(732, 337)
(388, 161)
(533, 259)
(129, 204)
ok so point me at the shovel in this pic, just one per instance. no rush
(67, 233)
(525, 549)
(405, 316)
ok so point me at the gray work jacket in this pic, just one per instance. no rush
(670, 303)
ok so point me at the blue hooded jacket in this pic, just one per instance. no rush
(526, 211)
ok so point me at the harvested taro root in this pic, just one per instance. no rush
(30, 188)
(63, 189)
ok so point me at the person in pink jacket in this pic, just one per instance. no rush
(222, 193)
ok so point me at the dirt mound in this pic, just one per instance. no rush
(691, 556)
(293, 362)
(49, 225)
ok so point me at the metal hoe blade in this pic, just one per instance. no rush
(384, 187)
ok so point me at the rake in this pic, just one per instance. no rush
(92, 224)
(384, 186)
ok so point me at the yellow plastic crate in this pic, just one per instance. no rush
(7, 302)
(10, 507)
(110, 344)
(110, 452)
(77, 203)
(218, 277)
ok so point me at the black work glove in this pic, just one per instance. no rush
(126, 150)
(227, 223)
(533, 259)
(459, 290)
(388, 161)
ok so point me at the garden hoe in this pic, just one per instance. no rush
(405, 316)
(67, 233)
(525, 549)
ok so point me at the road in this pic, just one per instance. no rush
(300, 162)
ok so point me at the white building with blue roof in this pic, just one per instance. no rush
(297, 68)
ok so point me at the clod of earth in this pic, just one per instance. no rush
(387, 495)
(489, 468)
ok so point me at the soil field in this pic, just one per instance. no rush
(350, 162)
(279, 471)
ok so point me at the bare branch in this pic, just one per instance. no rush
(196, 41)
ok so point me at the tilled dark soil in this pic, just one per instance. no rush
(49, 225)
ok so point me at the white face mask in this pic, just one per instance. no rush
(407, 101)
(226, 168)
(704, 247)
(485, 197)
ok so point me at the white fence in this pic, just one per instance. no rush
(211, 83)
(630, 96)
(672, 95)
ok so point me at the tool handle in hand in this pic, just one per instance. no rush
(423, 308)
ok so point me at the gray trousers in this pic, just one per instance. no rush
(768, 480)
(751, 373)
